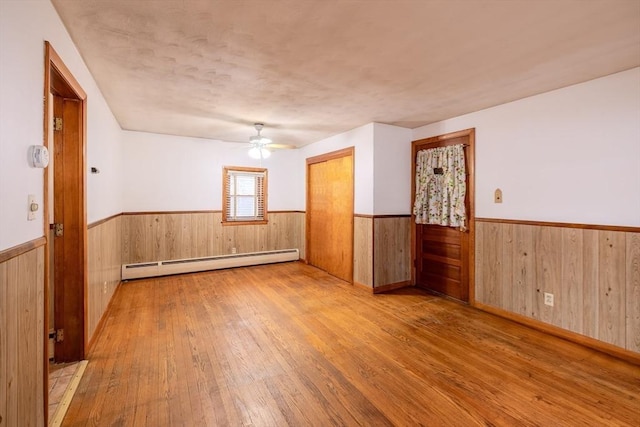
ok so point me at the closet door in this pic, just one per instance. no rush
(330, 213)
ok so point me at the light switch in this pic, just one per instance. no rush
(497, 197)
(32, 207)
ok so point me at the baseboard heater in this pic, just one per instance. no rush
(193, 265)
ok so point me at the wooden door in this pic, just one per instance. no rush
(330, 213)
(443, 256)
(68, 245)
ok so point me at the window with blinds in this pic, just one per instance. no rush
(245, 195)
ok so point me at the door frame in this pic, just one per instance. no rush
(57, 74)
(418, 145)
(345, 152)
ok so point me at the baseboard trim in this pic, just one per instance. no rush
(391, 287)
(363, 286)
(102, 321)
(592, 343)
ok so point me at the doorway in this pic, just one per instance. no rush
(329, 237)
(444, 256)
(65, 220)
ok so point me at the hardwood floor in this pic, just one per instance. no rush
(288, 344)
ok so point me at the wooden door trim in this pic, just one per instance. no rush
(421, 144)
(345, 152)
(54, 67)
(349, 151)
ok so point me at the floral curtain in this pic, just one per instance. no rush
(441, 187)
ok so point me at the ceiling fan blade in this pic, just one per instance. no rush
(281, 146)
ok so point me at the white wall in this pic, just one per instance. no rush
(392, 170)
(172, 173)
(570, 155)
(24, 26)
(362, 139)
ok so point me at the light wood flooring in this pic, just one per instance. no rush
(288, 344)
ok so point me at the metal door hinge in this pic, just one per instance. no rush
(57, 335)
(57, 123)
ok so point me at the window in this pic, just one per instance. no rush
(244, 195)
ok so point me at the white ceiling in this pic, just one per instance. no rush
(311, 69)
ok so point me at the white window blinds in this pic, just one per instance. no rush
(245, 194)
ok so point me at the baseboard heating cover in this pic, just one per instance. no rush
(193, 265)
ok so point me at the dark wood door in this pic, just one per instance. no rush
(443, 255)
(69, 242)
(330, 213)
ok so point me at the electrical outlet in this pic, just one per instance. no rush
(548, 299)
(104, 288)
(234, 251)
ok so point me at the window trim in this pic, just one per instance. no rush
(225, 196)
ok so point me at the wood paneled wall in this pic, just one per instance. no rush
(594, 275)
(21, 339)
(164, 236)
(363, 250)
(105, 260)
(382, 251)
(392, 250)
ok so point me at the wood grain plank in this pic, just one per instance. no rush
(288, 344)
(508, 256)
(14, 376)
(492, 271)
(4, 321)
(632, 292)
(363, 251)
(524, 272)
(572, 280)
(590, 275)
(611, 287)
(479, 262)
(548, 257)
(392, 250)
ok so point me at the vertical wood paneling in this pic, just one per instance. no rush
(593, 274)
(479, 267)
(633, 291)
(524, 272)
(105, 259)
(4, 329)
(571, 305)
(611, 279)
(392, 250)
(491, 249)
(506, 279)
(21, 339)
(363, 250)
(156, 237)
(591, 300)
(548, 249)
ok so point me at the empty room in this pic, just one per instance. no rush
(315, 213)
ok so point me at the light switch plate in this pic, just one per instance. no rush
(32, 207)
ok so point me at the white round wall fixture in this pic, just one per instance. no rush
(38, 156)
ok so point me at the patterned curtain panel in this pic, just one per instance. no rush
(441, 187)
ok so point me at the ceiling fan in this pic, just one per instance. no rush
(261, 146)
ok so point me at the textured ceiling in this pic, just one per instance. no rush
(311, 69)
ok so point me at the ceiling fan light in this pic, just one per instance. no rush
(259, 153)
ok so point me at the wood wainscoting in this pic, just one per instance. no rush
(382, 251)
(593, 273)
(21, 335)
(157, 236)
(105, 262)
